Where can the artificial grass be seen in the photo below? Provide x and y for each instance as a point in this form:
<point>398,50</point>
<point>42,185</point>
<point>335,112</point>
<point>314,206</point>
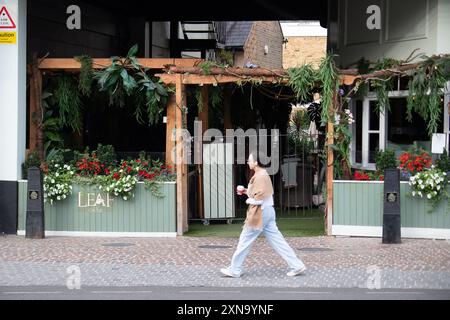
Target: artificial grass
<point>309,225</point>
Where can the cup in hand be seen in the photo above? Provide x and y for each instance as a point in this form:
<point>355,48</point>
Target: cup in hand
<point>240,190</point>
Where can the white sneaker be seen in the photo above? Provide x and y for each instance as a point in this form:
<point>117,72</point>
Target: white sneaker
<point>296,272</point>
<point>228,273</point>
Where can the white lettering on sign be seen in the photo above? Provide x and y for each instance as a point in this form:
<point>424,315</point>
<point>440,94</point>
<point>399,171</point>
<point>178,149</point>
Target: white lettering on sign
<point>5,19</point>
<point>74,20</point>
<point>374,20</point>
<point>93,200</point>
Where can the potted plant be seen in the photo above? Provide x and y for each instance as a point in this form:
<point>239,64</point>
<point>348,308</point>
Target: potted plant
<point>384,159</point>
<point>413,161</point>
<point>443,163</point>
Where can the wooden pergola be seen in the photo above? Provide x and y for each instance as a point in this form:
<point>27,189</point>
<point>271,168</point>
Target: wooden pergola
<point>182,72</point>
<point>180,76</point>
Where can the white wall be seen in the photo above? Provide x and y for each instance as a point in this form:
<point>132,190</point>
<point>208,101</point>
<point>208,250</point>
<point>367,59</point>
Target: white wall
<point>405,26</point>
<point>303,29</point>
<point>13,95</point>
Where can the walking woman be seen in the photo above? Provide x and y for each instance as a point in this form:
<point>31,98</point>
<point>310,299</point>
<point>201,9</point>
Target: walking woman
<point>261,218</point>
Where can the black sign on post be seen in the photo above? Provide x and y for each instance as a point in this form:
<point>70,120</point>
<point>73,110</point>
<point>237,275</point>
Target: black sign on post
<point>35,224</point>
<point>391,204</point>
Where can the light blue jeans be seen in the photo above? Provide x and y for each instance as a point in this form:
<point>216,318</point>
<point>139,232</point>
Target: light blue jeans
<point>273,236</point>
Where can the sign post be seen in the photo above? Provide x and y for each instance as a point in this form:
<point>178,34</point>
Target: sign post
<point>35,222</point>
<point>391,213</point>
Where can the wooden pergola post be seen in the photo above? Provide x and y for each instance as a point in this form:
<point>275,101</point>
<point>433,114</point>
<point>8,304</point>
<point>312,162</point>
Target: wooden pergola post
<point>203,117</point>
<point>170,126</point>
<point>181,165</point>
<point>37,111</point>
<point>33,112</point>
<point>330,166</point>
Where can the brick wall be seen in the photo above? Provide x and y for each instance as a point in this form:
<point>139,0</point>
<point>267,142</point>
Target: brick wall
<point>301,50</point>
<point>264,33</point>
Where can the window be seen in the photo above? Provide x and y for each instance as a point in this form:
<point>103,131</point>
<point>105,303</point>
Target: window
<point>366,132</point>
<point>390,129</point>
<point>401,133</point>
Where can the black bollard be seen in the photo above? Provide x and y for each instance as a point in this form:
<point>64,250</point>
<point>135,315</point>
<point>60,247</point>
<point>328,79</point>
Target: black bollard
<point>391,214</point>
<point>35,224</point>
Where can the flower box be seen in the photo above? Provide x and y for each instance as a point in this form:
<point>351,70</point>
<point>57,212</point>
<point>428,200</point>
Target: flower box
<point>90,212</point>
<point>358,211</point>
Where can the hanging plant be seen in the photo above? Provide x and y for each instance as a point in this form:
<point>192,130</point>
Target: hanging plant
<point>426,86</point>
<point>116,80</point>
<point>302,80</point>
<point>153,97</point>
<point>86,74</point>
<point>328,76</point>
<point>68,101</point>
<point>215,98</point>
<point>384,84</point>
<point>124,78</point>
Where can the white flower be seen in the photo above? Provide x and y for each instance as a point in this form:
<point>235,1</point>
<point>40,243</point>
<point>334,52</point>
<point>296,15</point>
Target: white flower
<point>53,181</point>
<point>429,196</point>
<point>56,165</point>
<point>64,196</point>
<point>58,197</point>
<point>125,198</point>
<point>413,193</point>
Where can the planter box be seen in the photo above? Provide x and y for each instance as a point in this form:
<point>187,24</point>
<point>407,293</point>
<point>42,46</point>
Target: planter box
<point>89,212</point>
<point>358,211</point>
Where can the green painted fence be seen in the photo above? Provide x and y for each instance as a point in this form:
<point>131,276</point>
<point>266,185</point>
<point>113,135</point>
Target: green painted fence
<point>89,210</point>
<point>361,204</point>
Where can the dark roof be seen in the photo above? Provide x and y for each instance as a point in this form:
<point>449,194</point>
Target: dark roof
<point>237,33</point>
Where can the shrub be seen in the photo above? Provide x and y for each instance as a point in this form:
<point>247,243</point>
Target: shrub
<point>443,163</point>
<point>105,154</point>
<point>385,160</point>
<point>31,161</point>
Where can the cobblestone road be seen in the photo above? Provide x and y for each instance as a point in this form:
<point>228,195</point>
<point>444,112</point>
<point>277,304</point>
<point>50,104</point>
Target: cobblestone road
<point>185,261</point>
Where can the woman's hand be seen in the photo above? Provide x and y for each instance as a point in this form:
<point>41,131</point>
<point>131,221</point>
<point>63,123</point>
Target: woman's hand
<point>240,190</point>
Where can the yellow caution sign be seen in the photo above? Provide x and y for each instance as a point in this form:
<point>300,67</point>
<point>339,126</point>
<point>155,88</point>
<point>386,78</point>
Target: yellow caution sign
<point>8,37</point>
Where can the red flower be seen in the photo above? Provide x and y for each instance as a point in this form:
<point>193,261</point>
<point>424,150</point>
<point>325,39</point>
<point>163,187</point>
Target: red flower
<point>361,176</point>
<point>116,176</point>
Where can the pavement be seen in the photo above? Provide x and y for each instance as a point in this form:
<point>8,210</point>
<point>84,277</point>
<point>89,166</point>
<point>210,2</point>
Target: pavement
<point>347,266</point>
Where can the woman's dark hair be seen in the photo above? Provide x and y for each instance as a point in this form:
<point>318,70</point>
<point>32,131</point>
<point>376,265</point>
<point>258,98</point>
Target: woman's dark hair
<point>258,156</point>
